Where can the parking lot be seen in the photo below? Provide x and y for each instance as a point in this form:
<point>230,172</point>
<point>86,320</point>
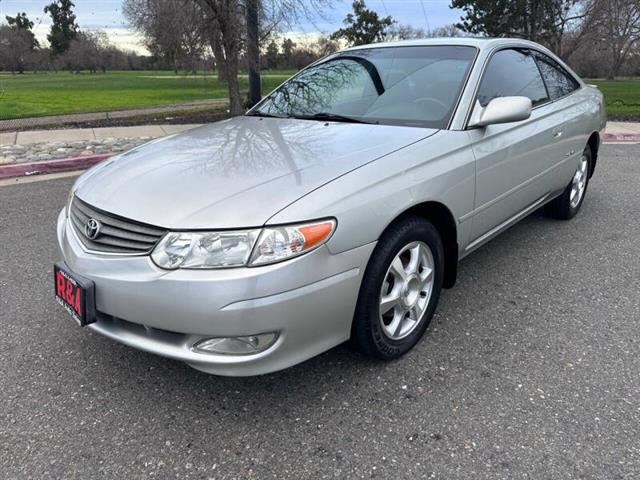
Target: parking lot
<point>530,369</point>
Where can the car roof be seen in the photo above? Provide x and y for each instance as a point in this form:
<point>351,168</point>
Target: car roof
<point>478,42</point>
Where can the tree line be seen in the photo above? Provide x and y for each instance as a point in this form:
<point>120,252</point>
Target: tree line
<point>69,47</point>
<point>598,38</point>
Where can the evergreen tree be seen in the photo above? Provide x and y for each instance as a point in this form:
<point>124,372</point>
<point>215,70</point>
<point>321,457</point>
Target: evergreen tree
<point>363,26</point>
<point>537,20</point>
<point>64,28</point>
<point>22,22</point>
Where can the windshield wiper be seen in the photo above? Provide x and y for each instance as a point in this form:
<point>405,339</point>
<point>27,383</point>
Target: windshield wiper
<point>331,117</point>
<point>264,114</point>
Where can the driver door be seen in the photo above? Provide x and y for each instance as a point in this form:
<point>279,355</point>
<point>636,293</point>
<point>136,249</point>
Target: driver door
<point>511,158</point>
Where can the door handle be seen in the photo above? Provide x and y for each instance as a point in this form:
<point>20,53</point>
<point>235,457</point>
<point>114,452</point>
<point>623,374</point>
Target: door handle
<point>558,133</point>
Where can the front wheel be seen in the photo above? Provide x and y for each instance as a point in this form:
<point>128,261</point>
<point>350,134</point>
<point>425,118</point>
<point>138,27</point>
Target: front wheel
<point>568,204</point>
<point>400,289</point>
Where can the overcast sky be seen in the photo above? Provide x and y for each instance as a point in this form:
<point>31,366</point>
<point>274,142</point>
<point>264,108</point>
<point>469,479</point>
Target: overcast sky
<point>107,15</point>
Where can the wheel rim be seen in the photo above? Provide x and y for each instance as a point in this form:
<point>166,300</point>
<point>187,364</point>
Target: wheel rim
<point>579,182</point>
<point>406,290</point>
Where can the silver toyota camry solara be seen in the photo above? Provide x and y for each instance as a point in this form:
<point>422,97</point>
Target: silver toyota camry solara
<point>336,209</point>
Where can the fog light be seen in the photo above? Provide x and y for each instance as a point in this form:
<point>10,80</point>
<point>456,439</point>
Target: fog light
<point>248,345</point>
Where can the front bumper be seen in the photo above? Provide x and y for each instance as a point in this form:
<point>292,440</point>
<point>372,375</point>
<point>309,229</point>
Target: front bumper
<point>309,301</point>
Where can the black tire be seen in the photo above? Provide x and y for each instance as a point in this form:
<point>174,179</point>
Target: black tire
<point>367,332</point>
<point>560,207</point>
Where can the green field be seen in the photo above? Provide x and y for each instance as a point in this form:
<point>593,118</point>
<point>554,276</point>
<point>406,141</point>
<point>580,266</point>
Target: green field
<point>621,96</point>
<point>31,95</point>
<point>39,94</point>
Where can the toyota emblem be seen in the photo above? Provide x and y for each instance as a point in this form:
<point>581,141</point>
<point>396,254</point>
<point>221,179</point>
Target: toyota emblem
<point>92,228</point>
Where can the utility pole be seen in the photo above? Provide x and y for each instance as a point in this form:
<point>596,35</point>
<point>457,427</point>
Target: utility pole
<point>253,51</point>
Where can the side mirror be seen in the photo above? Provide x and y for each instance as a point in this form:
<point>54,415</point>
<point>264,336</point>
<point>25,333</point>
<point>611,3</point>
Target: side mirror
<point>501,110</point>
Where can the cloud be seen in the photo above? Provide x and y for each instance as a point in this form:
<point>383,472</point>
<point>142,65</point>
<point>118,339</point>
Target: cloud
<point>122,37</point>
<point>126,39</point>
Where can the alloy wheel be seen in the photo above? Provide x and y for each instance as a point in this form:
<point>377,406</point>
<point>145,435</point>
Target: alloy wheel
<point>406,290</point>
<point>579,182</point>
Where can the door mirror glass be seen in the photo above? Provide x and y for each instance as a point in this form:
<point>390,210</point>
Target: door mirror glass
<point>501,110</point>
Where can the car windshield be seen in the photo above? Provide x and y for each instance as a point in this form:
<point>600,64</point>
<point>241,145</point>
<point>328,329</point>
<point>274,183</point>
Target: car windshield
<point>413,86</point>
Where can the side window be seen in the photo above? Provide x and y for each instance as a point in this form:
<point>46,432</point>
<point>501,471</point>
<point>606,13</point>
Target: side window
<point>512,73</point>
<point>559,82</point>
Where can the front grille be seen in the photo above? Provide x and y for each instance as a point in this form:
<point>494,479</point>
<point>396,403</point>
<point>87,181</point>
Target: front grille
<point>116,234</point>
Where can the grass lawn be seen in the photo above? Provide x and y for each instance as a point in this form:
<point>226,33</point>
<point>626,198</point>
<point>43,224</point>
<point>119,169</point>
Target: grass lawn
<point>621,96</point>
<point>39,94</point>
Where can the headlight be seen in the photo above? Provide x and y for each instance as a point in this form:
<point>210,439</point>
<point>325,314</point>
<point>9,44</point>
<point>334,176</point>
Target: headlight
<point>204,249</point>
<point>209,250</point>
<point>279,243</point>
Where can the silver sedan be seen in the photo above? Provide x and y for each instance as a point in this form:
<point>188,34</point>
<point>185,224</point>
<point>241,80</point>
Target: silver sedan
<point>336,209</point>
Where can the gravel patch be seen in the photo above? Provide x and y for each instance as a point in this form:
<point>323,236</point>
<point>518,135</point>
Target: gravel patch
<point>10,154</point>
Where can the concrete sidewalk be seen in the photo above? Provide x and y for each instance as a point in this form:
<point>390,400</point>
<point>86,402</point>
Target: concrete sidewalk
<point>86,134</point>
<point>623,127</point>
<point>615,131</point>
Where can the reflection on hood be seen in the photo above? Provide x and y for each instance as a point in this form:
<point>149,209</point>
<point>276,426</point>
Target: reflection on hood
<point>235,173</point>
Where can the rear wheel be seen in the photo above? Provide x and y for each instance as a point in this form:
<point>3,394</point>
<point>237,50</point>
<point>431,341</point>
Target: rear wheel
<point>400,289</point>
<point>568,204</point>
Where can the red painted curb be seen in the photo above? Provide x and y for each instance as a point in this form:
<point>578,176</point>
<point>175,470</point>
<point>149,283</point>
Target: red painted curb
<point>51,166</point>
<point>621,137</point>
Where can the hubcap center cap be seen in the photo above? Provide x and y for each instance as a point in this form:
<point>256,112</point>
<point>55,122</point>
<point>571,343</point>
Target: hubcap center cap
<point>410,291</point>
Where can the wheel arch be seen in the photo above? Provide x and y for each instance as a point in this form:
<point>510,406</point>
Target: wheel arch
<point>441,217</point>
<point>594,145</point>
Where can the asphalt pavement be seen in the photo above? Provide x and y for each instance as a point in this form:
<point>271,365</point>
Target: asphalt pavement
<point>530,370</point>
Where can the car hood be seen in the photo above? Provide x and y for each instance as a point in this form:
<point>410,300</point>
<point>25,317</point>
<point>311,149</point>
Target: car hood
<point>235,173</point>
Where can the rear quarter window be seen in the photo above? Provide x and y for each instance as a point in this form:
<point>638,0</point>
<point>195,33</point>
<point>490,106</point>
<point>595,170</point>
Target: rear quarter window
<point>559,81</point>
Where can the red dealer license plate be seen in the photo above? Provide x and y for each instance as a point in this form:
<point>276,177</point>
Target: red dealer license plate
<point>75,294</point>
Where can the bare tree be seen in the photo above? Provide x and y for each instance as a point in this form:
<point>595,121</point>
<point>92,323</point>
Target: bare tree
<point>85,52</point>
<point>449,31</point>
<point>262,19</point>
<point>243,24</point>
<point>177,29</point>
<point>172,29</point>
<point>325,45</point>
<point>16,49</point>
<point>225,20</point>
<point>617,23</point>
<point>402,31</point>
<point>278,14</point>
<point>252,8</point>
<point>573,25</point>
